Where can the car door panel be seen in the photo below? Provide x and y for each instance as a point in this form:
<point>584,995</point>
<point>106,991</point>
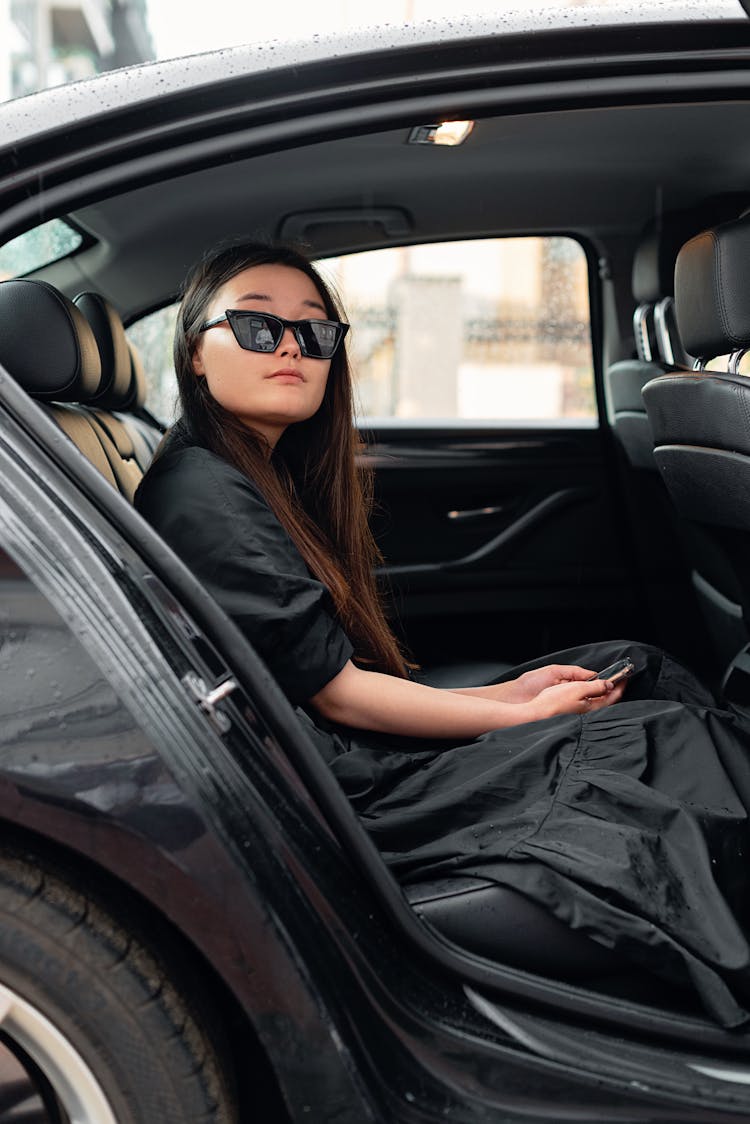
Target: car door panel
<point>500,545</point>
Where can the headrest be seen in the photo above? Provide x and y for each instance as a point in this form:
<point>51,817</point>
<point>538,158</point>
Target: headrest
<point>113,350</point>
<point>712,290</point>
<point>653,264</point>
<point>46,344</point>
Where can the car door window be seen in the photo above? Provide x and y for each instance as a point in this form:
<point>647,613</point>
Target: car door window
<point>492,329</point>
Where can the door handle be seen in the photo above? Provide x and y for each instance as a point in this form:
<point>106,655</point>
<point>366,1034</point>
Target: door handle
<point>471,514</point>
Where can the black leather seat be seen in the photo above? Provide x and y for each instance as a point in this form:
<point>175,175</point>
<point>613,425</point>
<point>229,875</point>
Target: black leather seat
<point>503,925</point>
<point>701,423</point>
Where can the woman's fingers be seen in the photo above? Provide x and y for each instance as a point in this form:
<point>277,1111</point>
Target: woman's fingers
<point>613,695</point>
<point>589,695</point>
<point>576,697</point>
<point>592,688</point>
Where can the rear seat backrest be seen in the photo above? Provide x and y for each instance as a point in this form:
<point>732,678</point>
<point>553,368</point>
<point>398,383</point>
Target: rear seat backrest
<point>114,354</point>
<point>115,390</point>
<point>123,392</point>
<point>48,346</point>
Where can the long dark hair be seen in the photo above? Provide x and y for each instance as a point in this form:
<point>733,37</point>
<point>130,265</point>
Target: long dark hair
<point>311,480</point>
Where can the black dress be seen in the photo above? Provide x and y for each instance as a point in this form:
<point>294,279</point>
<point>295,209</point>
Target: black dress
<point>628,824</point>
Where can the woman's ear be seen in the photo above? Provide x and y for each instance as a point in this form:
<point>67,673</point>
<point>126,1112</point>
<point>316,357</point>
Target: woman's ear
<point>197,361</point>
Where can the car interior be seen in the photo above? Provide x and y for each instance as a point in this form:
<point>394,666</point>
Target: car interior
<point>620,190</point>
<point>630,522</point>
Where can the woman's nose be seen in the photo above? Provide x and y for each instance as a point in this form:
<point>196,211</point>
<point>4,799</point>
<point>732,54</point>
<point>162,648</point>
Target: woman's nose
<point>289,344</point>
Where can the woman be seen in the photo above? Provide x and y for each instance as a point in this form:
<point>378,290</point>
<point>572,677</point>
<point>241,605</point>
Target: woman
<point>626,821</point>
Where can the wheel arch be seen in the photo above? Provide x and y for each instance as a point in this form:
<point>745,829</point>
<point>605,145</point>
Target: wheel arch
<point>250,1064</point>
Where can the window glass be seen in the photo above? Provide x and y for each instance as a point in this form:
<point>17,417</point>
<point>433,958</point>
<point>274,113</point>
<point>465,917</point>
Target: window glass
<point>496,330</point>
<point>153,336</point>
<point>37,247</point>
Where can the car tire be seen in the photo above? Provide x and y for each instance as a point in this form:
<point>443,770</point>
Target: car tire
<point>112,1037</point>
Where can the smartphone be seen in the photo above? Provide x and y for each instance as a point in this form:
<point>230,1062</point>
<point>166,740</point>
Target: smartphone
<point>616,671</point>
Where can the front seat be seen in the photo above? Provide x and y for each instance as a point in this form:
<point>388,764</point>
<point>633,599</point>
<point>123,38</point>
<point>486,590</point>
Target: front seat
<point>701,424</point>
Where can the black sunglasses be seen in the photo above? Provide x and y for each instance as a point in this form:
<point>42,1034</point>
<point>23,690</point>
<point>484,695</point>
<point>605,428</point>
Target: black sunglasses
<point>259,331</point>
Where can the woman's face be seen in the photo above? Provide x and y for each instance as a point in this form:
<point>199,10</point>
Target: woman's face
<point>266,390</point>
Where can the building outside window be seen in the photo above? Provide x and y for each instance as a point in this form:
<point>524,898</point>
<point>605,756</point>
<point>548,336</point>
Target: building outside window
<point>49,42</point>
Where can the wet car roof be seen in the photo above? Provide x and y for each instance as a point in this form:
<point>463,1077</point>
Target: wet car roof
<point>73,103</point>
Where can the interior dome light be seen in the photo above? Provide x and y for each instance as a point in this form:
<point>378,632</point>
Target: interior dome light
<point>446,132</point>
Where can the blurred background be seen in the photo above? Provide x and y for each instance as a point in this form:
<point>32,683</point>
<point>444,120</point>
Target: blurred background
<point>49,42</point>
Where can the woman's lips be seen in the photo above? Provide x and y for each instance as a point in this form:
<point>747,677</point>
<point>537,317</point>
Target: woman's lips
<point>288,373</point>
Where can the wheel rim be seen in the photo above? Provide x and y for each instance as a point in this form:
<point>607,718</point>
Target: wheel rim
<point>62,1067</point>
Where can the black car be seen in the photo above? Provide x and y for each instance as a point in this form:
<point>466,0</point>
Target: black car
<point>193,924</point>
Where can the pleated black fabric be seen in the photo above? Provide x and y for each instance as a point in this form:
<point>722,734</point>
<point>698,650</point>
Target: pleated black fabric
<point>628,824</point>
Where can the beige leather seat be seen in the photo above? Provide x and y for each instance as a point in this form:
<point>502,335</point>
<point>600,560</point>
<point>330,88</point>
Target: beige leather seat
<point>48,346</point>
<point>119,402</point>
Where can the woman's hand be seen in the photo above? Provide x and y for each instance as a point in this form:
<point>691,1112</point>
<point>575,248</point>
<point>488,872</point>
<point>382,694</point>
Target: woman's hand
<point>531,683</point>
<point>579,696</point>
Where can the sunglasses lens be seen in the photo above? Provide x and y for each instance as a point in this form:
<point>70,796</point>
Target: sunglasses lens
<point>257,333</point>
<point>319,338</point>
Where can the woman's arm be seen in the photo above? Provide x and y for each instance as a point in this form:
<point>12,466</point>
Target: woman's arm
<point>527,686</point>
<point>368,700</point>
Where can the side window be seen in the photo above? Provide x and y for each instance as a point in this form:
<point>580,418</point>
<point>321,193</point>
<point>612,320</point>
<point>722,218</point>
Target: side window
<point>153,336</point>
<point>496,330</point>
<point>44,244</point>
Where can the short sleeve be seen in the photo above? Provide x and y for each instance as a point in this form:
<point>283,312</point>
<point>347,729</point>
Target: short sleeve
<point>216,520</point>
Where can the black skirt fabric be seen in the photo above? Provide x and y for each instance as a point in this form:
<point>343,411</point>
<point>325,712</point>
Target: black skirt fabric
<point>628,824</point>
